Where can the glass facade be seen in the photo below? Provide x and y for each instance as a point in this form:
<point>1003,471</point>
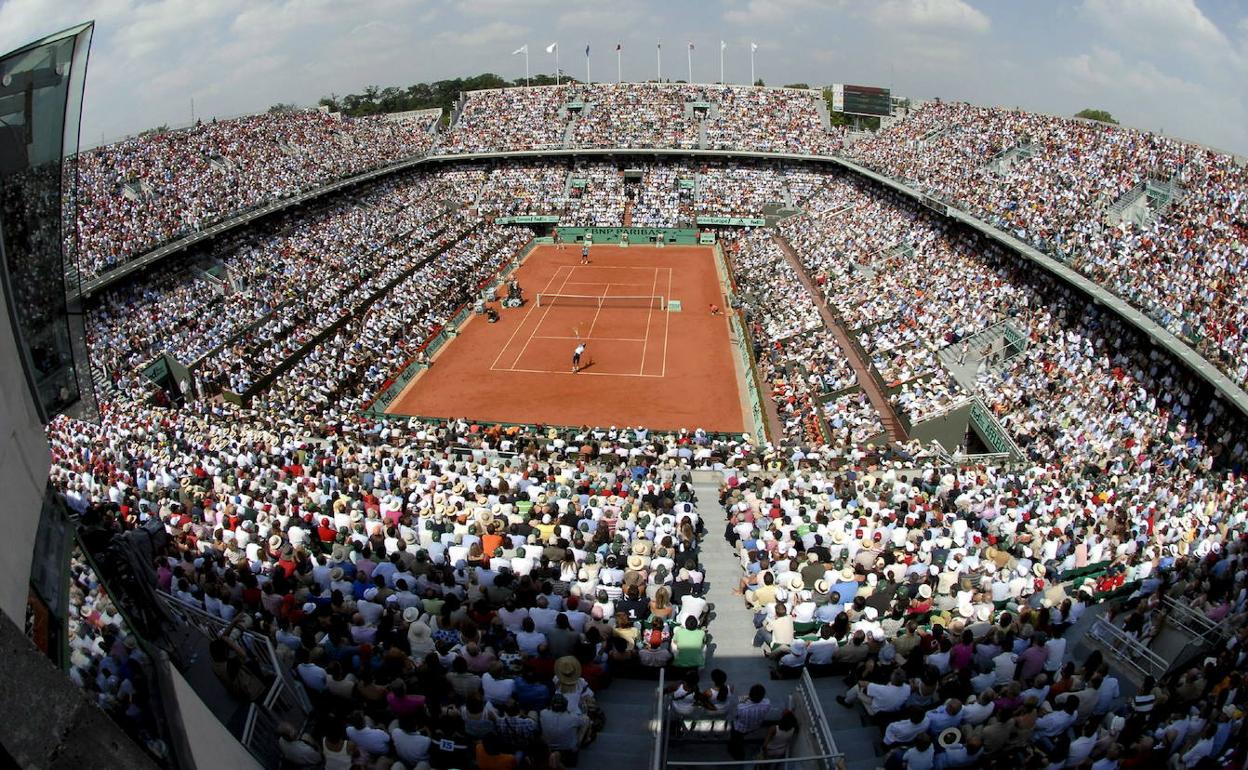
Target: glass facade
<point>40,107</point>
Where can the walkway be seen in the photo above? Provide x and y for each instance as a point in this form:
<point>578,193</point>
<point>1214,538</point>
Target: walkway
<point>733,649</point>
<point>868,380</point>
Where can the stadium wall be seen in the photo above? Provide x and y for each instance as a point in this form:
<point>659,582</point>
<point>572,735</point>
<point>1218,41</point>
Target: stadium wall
<point>24,461</point>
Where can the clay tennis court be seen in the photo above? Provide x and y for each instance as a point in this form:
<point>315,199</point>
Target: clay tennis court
<point>643,364</point>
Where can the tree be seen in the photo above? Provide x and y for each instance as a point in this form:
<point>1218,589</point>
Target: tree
<point>802,86</point>
<point>759,82</point>
<point>283,107</point>
<point>1097,115</point>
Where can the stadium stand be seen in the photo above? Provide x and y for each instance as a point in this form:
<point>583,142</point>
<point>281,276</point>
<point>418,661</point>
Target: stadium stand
<point>450,592</point>
<point>156,187</point>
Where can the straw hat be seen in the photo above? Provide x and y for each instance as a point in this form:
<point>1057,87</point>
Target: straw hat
<point>847,573</point>
<point>795,583</point>
<point>636,562</point>
<point>821,586</point>
<point>336,574</point>
<point>567,671</point>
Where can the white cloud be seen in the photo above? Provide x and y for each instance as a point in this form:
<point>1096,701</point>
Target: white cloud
<point>496,33</point>
<point>932,15</point>
<point>776,12</point>
<point>1166,29</point>
<point>150,58</point>
<point>1131,88</point>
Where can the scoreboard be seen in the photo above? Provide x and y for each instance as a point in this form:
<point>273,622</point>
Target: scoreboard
<point>861,100</point>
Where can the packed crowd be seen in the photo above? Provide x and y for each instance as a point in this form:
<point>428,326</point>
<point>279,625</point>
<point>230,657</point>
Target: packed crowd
<point>234,335</point>
<point>596,197</point>
<point>946,609</point>
<point>137,194</point>
<point>1061,185</point>
<point>105,659</point>
<point>643,115</point>
<point>438,609</point>
<point>343,373</point>
<point>664,197</point>
<point>774,120</point>
<point>346,533</point>
<point>523,189</point>
<point>906,286</point>
<point>509,119</point>
<point>805,371</point>
<point>636,115</point>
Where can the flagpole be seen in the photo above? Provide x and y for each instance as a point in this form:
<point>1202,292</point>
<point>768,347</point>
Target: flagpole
<point>658,57</point>
<point>587,79</point>
<point>618,71</point>
<point>556,64</point>
<point>527,81</point>
<point>689,51</point>
<point>752,79</point>
<point>721,62</point>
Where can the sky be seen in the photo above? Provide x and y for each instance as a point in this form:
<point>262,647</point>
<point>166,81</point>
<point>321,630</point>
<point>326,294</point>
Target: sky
<point>1178,66</point>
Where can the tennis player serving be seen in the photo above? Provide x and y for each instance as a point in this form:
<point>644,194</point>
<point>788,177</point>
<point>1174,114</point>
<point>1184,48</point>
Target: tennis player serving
<point>576,357</point>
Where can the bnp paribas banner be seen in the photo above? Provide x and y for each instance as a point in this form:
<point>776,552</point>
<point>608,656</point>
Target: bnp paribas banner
<point>732,221</point>
<point>676,235</point>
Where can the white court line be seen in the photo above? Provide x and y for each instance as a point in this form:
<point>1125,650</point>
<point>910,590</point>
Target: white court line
<point>540,321</point>
<point>613,267</point>
<point>581,373</point>
<point>525,320</point>
<point>667,321</point>
<point>593,339</point>
<point>600,283</point>
<point>654,285</point>
<point>594,322</point>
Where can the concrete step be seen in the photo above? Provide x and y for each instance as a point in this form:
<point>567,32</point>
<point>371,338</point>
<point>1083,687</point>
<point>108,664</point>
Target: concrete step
<point>860,743</point>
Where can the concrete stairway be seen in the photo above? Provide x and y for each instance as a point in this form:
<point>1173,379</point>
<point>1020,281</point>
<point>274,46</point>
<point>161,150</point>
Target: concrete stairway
<point>965,373</point>
<point>569,133</point>
<point>734,651</point>
<point>626,740</point>
<point>103,385</point>
<point>629,704</point>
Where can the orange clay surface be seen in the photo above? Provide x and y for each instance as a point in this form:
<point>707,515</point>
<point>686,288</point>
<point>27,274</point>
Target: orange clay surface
<point>641,366</point>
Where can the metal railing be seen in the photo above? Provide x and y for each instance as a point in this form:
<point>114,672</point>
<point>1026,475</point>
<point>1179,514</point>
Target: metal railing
<point>284,701</point>
<point>1127,649</point>
<point>809,712</point>
<point>997,437</point>
<point>1194,623</point>
<point>658,747</point>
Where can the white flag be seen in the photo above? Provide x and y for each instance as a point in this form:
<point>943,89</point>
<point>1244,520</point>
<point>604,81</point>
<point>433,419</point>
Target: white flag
<point>723,46</point>
<point>551,48</point>
<point>753,47</point>
<point>522,49</point>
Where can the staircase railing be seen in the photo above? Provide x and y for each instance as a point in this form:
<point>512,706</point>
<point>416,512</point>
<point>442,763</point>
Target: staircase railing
<point>1194,623</point>
<point>1128,650</point>
<point>658,748</point>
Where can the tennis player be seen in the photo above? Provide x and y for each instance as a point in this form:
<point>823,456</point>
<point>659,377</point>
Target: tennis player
<point>585,253</point>
<point>576,357</point>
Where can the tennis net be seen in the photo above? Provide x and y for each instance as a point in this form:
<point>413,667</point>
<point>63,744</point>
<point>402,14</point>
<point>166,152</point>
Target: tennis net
<point>653,302</point>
